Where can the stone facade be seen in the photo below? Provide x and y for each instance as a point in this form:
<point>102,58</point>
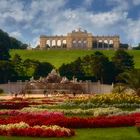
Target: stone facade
<point>79,39</point>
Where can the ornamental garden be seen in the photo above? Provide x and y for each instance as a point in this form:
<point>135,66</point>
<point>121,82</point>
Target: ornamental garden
<point>67,115</point>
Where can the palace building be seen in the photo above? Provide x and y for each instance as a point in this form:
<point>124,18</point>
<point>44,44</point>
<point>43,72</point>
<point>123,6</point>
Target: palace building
<point>79,39</point>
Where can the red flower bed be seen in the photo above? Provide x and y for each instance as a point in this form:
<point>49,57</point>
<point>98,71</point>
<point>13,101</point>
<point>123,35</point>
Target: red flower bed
<point>43,113</point>
<point>37,132</point>
<point>74,122</point>
<point>13,105</point>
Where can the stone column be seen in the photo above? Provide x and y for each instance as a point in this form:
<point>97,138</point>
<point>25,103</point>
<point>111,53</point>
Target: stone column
<point>102,44</point>
<point>82,43</point>
<point>108,44</point>
<point>89,42</point>
<point>50,43</point>
<point>61,43</point>
<point>43,41</point>
<point>97,44</point>
<point>69,42</point>
<point>116,43</point>
<point>77,43</point>
<point>56,43</point>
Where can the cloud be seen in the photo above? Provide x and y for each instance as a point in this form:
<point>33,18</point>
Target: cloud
<point>119,5</point>
<point>132,31</point>
<point>136,2</point>
<point>51,17</point>
<point>16,34</point>
<point>88,3</point>
<point>35,42</point>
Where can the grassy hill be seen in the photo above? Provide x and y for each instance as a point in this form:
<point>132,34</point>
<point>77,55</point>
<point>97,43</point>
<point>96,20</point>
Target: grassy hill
<point>58,57</point>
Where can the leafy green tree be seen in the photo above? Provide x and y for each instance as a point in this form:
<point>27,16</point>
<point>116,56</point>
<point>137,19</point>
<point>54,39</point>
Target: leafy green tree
<point>7,71</point>
<point>42,69</point>
<point>16,44</point>
<point>137,47</point>
<point>73,69</point>
<point>122,61</point>
<point>30,66</point>
<point>99,65</point>
<point>18,65</point>
<point>5,44</point>
<point>131,80</point>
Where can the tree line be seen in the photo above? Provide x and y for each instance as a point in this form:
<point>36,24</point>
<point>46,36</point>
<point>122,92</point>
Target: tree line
<point>17,69</point>
<point>91,67</point>
<point>99,67</point>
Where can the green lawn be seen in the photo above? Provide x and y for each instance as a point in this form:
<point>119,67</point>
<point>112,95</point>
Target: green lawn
<point>126,133</point>
<point>58,57</point>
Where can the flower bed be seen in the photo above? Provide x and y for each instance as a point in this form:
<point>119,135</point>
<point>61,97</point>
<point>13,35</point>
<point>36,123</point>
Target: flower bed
<point>94,112</point>
<point>13,105</point>
<point>108,99</point>
<point>37,116</point>
<point>43,113</point>
<point>74,122</point>
<point>23,129</point>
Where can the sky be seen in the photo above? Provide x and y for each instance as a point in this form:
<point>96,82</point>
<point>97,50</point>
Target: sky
<point>28,19</point>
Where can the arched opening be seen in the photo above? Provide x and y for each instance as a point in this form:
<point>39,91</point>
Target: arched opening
<point>95,44</point>
<point>111,43</point>
<point>74,43</point>
<point>59,43</point>
<point>53,43</point>
<point>64,44</point>
<point>105,44</point>
<point>84,43</point>
<point>48,44</point>
<point>79,44</point>
<point>100,42</point>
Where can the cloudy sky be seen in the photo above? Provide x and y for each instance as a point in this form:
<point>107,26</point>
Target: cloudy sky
<point>28,19</point>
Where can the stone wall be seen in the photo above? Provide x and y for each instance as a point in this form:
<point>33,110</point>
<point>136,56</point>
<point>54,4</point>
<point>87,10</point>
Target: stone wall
<point>88,87</point>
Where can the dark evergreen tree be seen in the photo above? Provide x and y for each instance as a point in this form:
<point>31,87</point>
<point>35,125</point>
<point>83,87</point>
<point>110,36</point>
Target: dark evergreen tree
<point>73,69</point>
<point>7,71</point>
<point>5,44</point>
<point>122,61</point>
<point>99,66</point>
<point>16,44</point>
<point>42,69</point>
<point>18,65</point>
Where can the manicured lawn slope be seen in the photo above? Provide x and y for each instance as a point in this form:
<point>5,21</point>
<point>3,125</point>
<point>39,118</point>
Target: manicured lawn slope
<point>129,133</point>
<point>58,57</point>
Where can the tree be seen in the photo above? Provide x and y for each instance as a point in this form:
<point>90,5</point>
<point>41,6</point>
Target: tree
<point>137,47</point>
<point>30,66</point>
<point>99,65</point>
<point>132,80</point>
<point>5,44</point>
<point>7,71</point>
<point>73,69</point>
<point>42,69</point>
<point>122,61</point>
<point>124,46</point>
<point>18,65</point>
<point>16,44</point>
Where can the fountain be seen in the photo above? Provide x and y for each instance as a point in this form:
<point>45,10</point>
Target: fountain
<point>53,83</point>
